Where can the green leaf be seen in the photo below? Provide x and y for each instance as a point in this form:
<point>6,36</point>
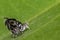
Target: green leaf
<point>43,17</point>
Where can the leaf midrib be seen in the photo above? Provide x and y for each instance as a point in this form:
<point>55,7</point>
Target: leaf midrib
<point>45,10</point>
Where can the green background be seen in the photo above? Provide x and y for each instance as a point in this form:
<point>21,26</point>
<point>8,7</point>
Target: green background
<point>43,17</point>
